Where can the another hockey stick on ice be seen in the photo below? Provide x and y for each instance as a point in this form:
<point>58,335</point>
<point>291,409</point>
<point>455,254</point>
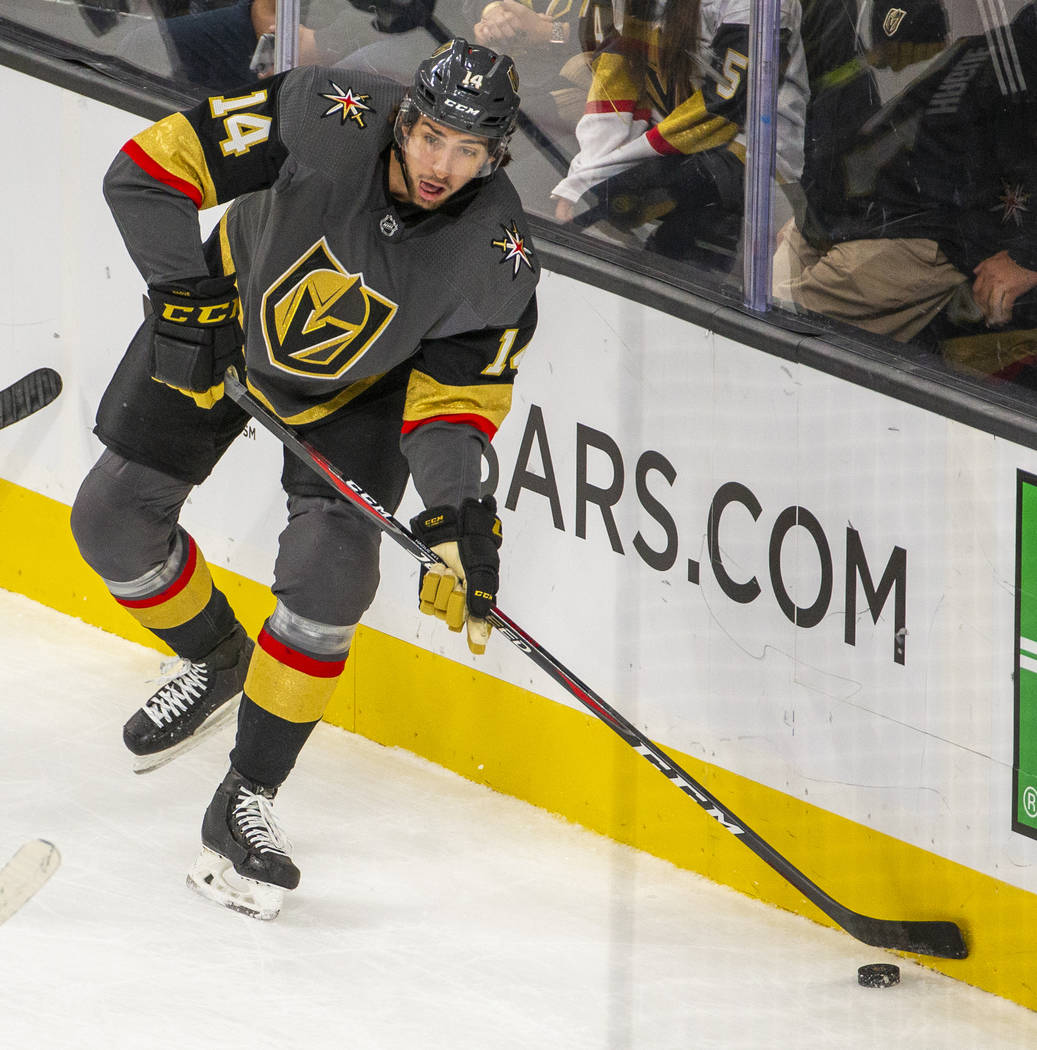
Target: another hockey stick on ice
<point>25,873</point>
<point>29,394</point>
<point>937,938</point>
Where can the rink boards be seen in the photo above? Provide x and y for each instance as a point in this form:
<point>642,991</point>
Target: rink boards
<point>817,597</point>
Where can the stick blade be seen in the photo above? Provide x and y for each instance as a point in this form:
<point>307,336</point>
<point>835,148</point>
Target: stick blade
<point>25,873</point>
<point>29,394</point>
<point>940,939</point>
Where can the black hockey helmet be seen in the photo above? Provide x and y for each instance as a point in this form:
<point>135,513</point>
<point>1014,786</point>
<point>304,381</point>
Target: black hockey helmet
<point>468,88</point>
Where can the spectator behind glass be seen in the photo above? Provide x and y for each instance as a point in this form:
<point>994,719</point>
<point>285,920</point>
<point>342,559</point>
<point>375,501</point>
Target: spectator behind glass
<point>553,42</point>
<point>212,49</point>
<point>662,137</point>
<point>935,193</point>
<point>844,92</point>
<point>905,34</point>
<point>547,39</point>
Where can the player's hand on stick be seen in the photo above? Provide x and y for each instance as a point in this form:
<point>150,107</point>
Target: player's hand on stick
<point>463,588</point>
<point>196,335</point>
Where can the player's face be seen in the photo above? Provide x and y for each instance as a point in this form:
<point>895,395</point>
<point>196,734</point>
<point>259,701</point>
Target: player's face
<point>440,161</point>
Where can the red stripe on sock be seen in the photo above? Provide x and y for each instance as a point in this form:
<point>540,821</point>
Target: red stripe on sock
<point>299,661</point>
<point>173,589</point>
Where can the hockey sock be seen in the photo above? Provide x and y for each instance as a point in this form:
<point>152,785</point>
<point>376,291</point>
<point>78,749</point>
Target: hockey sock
<point>293,673</point>
<point>179,602</point>
<point>267,746</point>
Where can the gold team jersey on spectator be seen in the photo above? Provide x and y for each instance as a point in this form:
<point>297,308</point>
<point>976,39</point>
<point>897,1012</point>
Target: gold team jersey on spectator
<point>622,126</point>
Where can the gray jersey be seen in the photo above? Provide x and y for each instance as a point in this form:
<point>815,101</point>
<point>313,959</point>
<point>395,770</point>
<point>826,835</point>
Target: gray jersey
<point>338,283</point>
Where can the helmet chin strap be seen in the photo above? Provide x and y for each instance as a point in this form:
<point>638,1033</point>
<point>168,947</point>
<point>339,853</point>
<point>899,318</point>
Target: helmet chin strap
<point>398,151</point>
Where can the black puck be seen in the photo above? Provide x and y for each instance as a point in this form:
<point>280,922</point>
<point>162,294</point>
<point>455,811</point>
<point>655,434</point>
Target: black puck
<point>878,975</point>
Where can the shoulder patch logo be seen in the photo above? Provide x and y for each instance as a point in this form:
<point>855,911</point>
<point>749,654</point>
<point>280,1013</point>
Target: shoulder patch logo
<point>514,248</point>
<point>319,319</point>
<point>349,104</point>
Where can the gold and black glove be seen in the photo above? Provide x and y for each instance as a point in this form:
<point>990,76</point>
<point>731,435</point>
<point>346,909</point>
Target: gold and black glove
<point>195,335</point>
<point>462,589</point>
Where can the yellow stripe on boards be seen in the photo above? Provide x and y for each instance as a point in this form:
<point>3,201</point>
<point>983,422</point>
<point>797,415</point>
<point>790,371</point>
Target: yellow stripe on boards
<point>566,761</point>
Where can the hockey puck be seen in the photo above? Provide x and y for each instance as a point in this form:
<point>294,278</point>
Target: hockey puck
<point>878,975</point>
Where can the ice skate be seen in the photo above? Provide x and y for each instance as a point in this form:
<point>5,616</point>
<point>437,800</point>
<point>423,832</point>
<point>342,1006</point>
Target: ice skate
<point>199,697</point>
<point>244,864</point>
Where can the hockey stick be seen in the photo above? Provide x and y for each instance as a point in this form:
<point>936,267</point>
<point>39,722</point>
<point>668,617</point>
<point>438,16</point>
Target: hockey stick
<point>25,873</point>
<point>937,938</point>
<point>29,394</point>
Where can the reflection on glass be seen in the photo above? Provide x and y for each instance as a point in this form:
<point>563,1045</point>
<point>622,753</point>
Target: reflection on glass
<point>661,160</point>
<point>917,219</point>
<point>906,138</point>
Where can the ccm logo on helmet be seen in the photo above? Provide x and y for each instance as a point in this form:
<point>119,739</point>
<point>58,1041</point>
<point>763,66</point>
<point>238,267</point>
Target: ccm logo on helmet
<point>469,111</point>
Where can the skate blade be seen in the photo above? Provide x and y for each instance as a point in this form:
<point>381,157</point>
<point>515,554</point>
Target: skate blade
<point>214,877</point>
<point>217,720</point>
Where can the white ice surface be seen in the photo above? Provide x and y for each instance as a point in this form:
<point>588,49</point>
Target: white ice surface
<point>433,914</point>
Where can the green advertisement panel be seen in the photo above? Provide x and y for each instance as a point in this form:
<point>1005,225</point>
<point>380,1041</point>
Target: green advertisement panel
<point>1024,802</point>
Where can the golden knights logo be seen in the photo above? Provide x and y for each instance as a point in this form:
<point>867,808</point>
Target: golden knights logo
<point>892,19</point>
<point>319,319</point>
<point>515,249</point>
<point>350,105</point>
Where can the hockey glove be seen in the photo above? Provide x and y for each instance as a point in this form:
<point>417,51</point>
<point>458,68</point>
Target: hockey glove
<point>463,588</point>
<point>196,335</point>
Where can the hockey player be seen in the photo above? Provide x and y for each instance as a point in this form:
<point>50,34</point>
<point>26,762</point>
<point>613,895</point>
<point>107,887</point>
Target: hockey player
<point>386,286</point>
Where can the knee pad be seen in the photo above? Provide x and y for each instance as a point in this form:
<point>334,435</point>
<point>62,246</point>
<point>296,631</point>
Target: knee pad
<point>327,561</point>
<point>124,518</point>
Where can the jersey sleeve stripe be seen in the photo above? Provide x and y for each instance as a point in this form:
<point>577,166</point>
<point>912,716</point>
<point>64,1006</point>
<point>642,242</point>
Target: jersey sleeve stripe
<point>659,144</point>
<point>156,171</point>
<point>480,423</point>
<point>483,406</point>
<point>619,105</point>
<point>171,152</point>
<point>691,129</point>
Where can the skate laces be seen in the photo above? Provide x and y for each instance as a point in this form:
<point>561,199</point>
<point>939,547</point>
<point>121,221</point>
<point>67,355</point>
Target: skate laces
<point>255,818</point>
<point>185,683</point>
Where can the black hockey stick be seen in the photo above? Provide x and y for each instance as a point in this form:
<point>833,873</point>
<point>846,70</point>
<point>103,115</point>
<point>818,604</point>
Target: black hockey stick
<point>29,394</point>
<point>939,938</point>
